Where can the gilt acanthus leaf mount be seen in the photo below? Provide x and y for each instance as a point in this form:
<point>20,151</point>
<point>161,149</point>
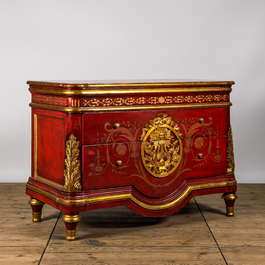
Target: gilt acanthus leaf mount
<point>72,172</point>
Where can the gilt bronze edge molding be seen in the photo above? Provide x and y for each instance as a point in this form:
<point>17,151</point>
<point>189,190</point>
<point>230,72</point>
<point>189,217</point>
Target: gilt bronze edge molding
<point>128,84</point>
<point>150,90</point>
<point>100,109</point>
<point>134,199</point>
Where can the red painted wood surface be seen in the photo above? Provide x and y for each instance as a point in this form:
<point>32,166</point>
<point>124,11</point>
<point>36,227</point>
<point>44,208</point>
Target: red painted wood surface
<point>98,128</point>
<point>76,208</point>
<point>51,148</point>
<point>52,130</point>
<point>100,169</point>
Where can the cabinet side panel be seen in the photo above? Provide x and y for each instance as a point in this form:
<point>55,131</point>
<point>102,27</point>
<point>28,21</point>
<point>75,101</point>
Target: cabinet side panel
<point>49,147</point>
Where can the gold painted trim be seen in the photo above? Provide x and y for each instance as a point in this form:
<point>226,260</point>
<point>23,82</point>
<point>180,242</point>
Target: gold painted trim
<point>71,218</point>
<point>49,182</point>
<point>75,103</point>
<point>130,84</point>
<point>128,91</point>
<point>35,145</point>
<point>70,235</point>
<point>154,100</point>
<point>230,152</point>
<point>36,216</point>
<point>230,211</point>
<point>52,100</point>
<point>230,197</point>
<point>89,109</point>
<point>131,197</point>
<point>35,202</point>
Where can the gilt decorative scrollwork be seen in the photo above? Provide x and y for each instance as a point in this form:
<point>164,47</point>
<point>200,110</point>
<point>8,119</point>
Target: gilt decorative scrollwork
<point>72,173</point>
<point>161,150</point>
<point>230,152</point>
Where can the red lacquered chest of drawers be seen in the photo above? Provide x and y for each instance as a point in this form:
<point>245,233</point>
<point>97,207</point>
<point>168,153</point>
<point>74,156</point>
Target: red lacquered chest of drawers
<point>148,145</point>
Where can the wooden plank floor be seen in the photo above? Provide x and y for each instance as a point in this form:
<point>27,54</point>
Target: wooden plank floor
<point>200,233</point>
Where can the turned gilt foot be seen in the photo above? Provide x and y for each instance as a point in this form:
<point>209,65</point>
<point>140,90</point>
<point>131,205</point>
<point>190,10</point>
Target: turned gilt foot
<point>230,199</point>
<point>36,207</point>
<point>71,222</point>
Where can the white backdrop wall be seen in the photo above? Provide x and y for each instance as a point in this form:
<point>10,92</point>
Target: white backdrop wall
<point>139,39</point>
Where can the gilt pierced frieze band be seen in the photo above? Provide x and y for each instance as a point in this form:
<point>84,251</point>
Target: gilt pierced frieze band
<point>70,104</point>
<point>43,99</point>
<point>154,100</point>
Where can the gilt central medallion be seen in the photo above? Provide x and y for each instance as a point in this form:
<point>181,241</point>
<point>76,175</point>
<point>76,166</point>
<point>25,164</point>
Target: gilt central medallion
<point>161,150</point>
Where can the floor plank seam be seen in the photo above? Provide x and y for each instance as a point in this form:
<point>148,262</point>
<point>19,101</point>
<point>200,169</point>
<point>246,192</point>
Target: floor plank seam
<point>118,246</point>
<point>49,238</point>
<point>243,247</point>
<point>211,232</point>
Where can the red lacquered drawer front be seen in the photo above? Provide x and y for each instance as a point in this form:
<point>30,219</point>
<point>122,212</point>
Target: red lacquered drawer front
<point>99,128</point>
<point>100,168</point>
